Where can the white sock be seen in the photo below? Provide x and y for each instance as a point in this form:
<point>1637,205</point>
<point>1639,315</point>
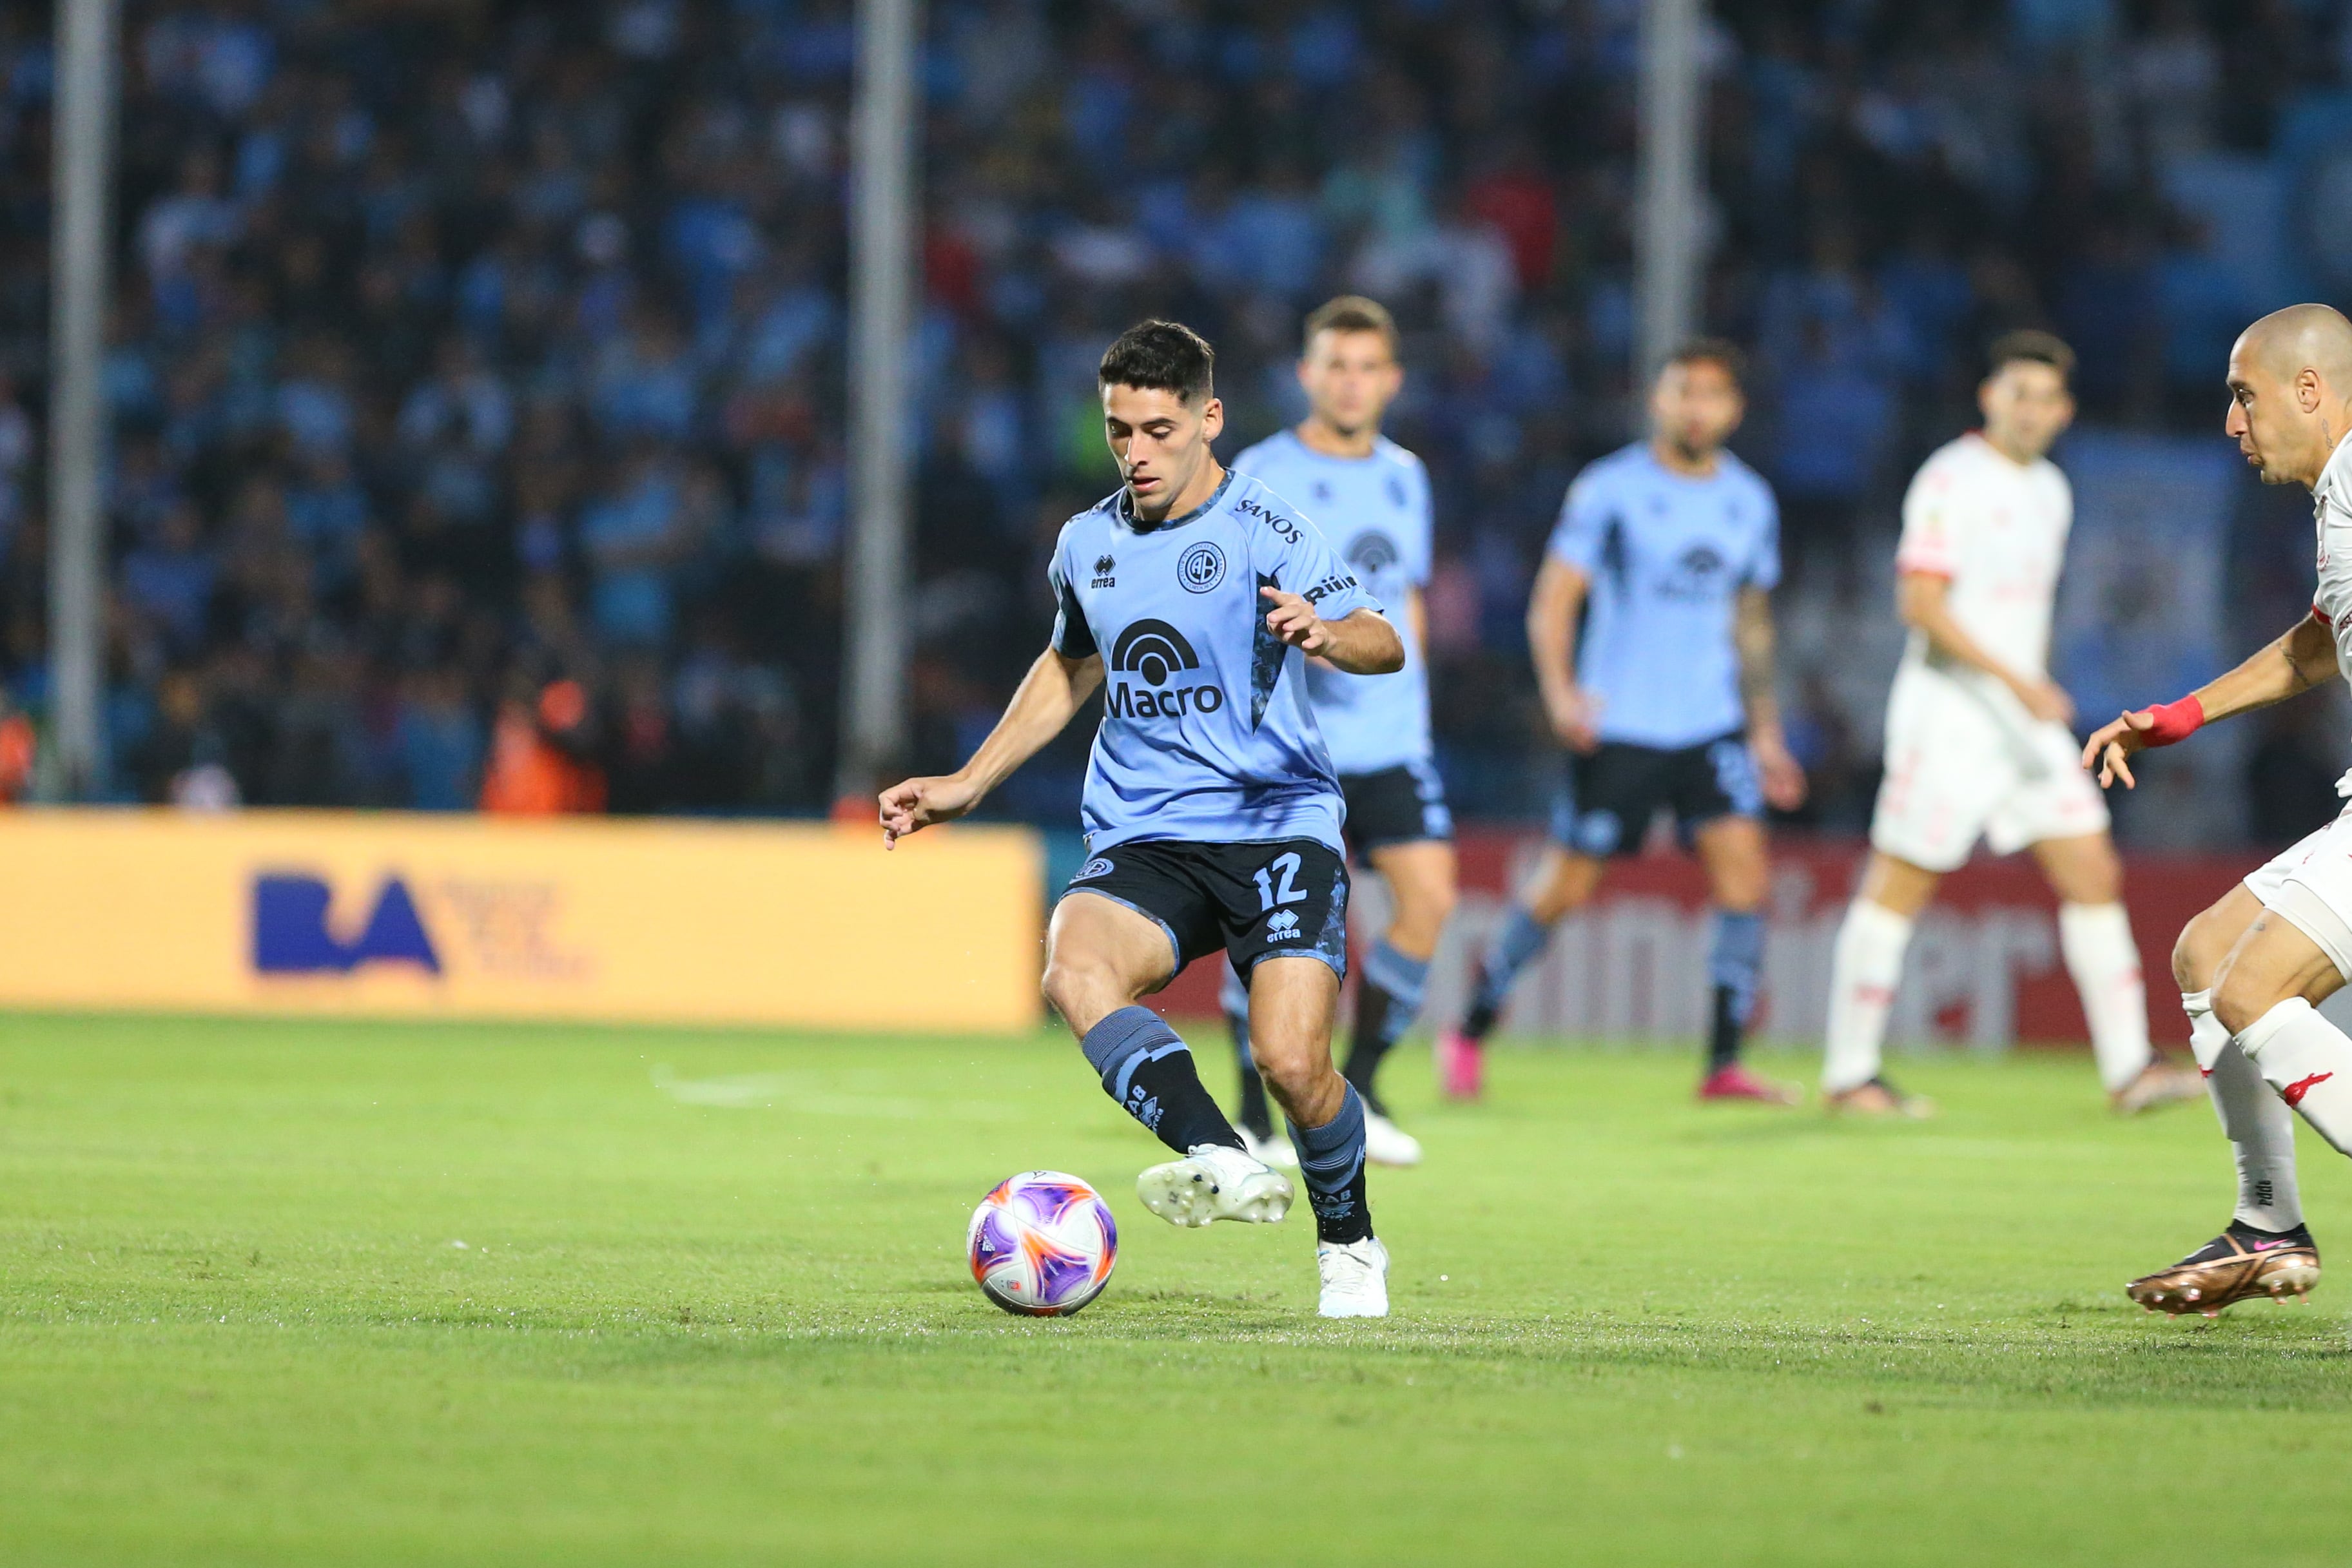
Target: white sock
<point>1866,963</point>
<point>2309,1062</point>
<point>2260,1127</point>
<point>2100,955</point>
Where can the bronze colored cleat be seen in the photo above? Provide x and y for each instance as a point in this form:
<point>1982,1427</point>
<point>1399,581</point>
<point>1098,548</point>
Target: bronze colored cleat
<point>1878,1098</point>
<point>2159,1083</point>
<point>2228,1269</point>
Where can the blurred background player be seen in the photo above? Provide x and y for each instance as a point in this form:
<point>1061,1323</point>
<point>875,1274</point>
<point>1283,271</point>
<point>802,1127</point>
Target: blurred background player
<point>1371,499</point>
<point>1664,696</point>
<point>1977,743</point>
<point>1211,813</point>
<point>2252,967</point>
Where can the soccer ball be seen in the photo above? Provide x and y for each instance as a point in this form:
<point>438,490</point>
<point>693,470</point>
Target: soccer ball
<point>1042,1244</point>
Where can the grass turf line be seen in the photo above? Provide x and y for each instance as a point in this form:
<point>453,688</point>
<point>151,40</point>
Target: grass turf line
<point>711,1307</point>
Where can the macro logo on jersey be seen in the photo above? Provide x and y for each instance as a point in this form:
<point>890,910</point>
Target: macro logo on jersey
<point>1373,552</point>
<point>290,935</point>
<point>1158,655</point>
<point>1697,574</point>
<point>1200,568</point>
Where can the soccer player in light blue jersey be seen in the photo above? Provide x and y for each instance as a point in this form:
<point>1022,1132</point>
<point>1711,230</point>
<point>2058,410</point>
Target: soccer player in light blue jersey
<point>1194,597</point>
<point>1667,552</point>
<point>1371,499</point>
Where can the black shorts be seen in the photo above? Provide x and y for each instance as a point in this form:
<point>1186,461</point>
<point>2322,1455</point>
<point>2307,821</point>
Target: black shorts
<point>1254,901</point>
<point>1610,796</point>
<point>1404,805</point>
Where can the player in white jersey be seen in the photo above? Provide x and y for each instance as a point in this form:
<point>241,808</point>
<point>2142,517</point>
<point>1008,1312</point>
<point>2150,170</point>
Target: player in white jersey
<point>1371,499</point>
<point>1978,744</point>
<point>2250,966</point>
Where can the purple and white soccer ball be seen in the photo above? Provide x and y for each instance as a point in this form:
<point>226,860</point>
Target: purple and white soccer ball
<point>1042,1244</point>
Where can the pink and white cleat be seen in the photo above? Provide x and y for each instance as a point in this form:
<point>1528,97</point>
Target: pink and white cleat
<point>1735,1082</point>
<point>1460,1066</point>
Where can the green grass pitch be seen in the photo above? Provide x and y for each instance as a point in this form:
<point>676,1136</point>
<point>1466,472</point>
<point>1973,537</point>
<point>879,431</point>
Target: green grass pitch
<point>710,1307</point>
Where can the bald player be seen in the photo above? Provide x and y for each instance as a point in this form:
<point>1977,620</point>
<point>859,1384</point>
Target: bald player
<point>2251,965</point>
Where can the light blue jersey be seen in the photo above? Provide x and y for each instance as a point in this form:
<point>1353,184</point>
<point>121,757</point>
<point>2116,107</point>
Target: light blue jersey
<point>1375,512</point>
<point>1207,735</point>
<point>1668,556</point>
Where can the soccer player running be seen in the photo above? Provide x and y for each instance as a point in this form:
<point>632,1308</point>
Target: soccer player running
<point>1194,597</point>
<point>1977,743</point>
<point>1667,551</point>
<point>1371,499</point>
<point>2250,966</point>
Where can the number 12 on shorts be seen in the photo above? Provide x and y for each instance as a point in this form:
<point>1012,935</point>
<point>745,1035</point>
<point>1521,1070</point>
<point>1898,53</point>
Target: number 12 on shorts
<point>1287,891</point>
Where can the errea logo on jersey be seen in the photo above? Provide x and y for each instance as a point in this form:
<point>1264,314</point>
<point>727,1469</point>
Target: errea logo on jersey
<point>1156,654</point>
<point>1103,578</point>
<point>1282,926</point>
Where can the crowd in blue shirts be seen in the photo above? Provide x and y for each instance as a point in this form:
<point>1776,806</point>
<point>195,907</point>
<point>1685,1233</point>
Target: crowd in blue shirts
<point>459,347</point>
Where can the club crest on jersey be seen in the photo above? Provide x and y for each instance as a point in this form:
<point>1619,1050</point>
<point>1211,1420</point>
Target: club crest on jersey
<point>1372,552</point>
<point>1103,578</point>
<point>1200,568</point>
<point>1098,866</point>
<point>1156,654</point>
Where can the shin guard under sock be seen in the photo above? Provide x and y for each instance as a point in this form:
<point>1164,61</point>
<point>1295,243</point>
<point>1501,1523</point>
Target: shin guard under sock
<point>1331,1159</point>
<point>1148,1069</point>
<point>2260,1127</point>
<point>1386,1004</point>
<point>1519,939</point>
<point>1734,966</point>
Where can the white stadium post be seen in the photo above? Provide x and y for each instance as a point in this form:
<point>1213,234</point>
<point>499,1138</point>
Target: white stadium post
<point>82,170</point>
<point>1669,238</point>
<point>883,280</point>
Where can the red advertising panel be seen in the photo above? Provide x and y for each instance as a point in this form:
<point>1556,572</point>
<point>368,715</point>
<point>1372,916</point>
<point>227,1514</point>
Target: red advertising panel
<point>1984,969</point>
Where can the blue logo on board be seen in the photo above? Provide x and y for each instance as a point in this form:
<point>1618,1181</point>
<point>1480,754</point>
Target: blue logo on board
<point>291,937</point>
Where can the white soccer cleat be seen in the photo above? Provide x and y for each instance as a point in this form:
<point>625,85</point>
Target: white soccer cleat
<point>1355,1279</point>
<point>1386,1144</point>
<point>1212,1182</point>
<point>1273,1151</point>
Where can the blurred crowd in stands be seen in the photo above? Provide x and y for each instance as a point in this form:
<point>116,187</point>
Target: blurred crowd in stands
<point>478,364</point>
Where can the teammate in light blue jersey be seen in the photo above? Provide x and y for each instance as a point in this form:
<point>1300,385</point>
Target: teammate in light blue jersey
<point>1668,552</point>
<point>1194,598</point>
<point>1371,499</point>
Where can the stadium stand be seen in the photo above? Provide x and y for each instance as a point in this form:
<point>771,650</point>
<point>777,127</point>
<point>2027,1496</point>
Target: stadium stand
<point>471,354</point>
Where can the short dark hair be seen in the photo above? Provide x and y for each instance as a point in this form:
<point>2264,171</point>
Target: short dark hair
<point>2033,346</point>
<point>1350,313</point>
<point>1166,356</point>
<point>1721,352</point>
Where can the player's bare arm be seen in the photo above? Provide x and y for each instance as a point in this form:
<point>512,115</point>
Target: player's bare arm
<point>1554,609</point>
<point>1924,600</point>
<point>1362,642</point>
<point>2293,664</point>
<point>1784,780</point>
<point>1049,697</point>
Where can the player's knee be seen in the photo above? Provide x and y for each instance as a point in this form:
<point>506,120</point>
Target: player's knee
<point>1079,988</point>
<point>2198,952</point>
<point>1420,920</point>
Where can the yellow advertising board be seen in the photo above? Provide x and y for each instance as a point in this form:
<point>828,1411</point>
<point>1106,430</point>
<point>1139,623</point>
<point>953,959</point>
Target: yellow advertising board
<point>396,915</point>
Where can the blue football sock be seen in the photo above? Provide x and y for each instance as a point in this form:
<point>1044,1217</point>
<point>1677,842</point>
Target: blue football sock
<point>1734,966</point>
<point>1331,1159</point>
<point>1148,1069</point>
<point>1386,1004</point>
<point>1519,939</point>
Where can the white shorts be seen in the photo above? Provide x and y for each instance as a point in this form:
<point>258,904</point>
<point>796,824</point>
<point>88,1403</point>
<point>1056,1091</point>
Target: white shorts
<point>2310,886</point>
<point>1960,767</point>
